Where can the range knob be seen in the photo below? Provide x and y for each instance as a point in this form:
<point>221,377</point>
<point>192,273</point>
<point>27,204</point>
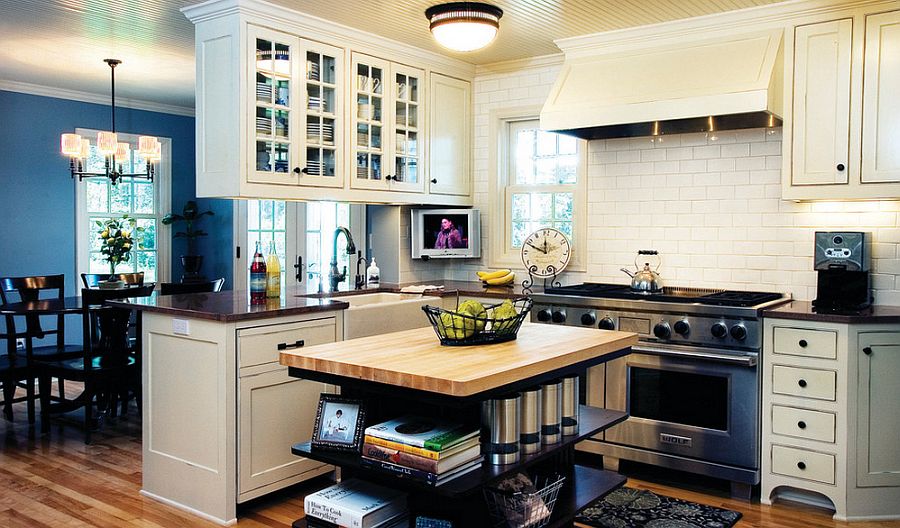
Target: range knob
<point>559,316</point>
<point>544,315</point>
<point>739,332</point>
<point>719,330</point>
<point>607,324</point>
<point>588,319</point>
<point>682,328</point>
<point>662,331</point>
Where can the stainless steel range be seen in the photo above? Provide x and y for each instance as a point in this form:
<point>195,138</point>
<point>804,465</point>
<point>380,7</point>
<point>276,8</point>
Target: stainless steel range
<point>691,386</point>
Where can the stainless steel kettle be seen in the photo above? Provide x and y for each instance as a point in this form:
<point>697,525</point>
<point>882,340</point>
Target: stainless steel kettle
<point>645,279</point>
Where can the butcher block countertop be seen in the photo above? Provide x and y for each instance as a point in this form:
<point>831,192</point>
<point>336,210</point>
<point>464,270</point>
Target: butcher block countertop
<point>415,359</point>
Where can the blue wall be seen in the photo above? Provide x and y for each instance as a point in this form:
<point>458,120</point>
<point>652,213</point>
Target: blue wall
<point>37,196</point>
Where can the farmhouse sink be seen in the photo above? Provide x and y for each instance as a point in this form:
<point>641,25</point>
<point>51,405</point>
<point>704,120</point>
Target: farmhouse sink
<point>380,313</point>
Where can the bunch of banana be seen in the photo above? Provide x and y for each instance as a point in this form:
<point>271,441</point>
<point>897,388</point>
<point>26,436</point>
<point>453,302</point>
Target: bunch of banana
<point>497,278</point>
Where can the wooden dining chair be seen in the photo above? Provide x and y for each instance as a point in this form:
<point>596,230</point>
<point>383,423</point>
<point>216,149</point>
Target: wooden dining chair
<point>12,372</point>
<point>15,289</point>
<point>105,365</point>
<point>92,280</point>
<point>174,288</point>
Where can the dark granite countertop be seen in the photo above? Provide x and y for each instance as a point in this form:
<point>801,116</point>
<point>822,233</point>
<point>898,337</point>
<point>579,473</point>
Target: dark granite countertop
<point>466,288</point>
<point>230,305</point>
<point>803,311</point>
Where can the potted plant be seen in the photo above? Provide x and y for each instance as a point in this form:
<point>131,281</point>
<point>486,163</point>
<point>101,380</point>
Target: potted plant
<point>117,241</point>
<point>192,261</point>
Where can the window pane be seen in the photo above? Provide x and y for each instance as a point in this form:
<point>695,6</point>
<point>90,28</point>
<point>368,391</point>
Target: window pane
<point>521,206</point>
<point>563,206</point>
<point>267,215</point>
<point>567,144</point>
<point>120,197</point>
<point>546,171</point>
<point>519,232</point>
<point>565,227</point>
<point>546,144</point>
<point>252,215</point>
<point>541,206</point>
<point>143,198</point>
<point>280,215</point>
<point>568,167</point>
<point>98,264</point>
<point>525,156</point>
<point>312,216</point>
<point>147,239</point>
<point>97,193</point>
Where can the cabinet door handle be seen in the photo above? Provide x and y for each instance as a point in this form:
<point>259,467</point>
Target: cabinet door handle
<point>803,343</point>
<point>298,170</point>
<point>802,382</point>
<point>867,351</point>
<point>801,424</point>
<point>840,167</point>
<point>801,465</point>
<point>285,346</point>
<point>433,180</point>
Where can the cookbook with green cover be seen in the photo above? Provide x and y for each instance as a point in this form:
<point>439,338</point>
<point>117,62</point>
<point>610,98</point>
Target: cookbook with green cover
<point>432,434</point>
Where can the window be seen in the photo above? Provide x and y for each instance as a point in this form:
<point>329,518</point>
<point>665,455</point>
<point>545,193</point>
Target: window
<point>541,184</point>
<point>321,220</point>
<point>267,222</point>
<point>99,200</point>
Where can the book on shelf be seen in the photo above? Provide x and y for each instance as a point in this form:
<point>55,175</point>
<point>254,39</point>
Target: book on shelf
<point>400,521</point>
<point>419,431</point>
<point>421,451</point>
<point>401,458</point>
<point>354,503</point>
<point>419,475</point>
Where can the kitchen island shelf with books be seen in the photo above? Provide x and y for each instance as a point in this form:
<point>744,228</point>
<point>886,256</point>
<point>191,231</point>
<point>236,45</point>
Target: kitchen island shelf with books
<point>592,420</point>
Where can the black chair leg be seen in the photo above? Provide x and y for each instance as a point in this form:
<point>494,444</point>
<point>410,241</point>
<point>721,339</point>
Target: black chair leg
<point>30,397</point>
<point>9,392</point>
<point>88,412</point>
<point>45,384</point>
<point>62,389</point>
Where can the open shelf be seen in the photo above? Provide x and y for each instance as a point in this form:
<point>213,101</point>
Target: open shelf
<point>592,420</point>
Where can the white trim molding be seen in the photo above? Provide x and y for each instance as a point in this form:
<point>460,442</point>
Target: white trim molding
<point>88,97</point>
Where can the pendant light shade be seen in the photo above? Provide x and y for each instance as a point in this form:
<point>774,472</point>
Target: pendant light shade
<point>464,26</point>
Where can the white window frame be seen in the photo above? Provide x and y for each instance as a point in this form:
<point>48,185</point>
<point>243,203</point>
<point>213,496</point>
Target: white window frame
<point>500,185</point>
<point>162,182</point>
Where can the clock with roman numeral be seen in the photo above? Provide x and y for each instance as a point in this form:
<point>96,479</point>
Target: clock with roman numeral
<point>546,252</point>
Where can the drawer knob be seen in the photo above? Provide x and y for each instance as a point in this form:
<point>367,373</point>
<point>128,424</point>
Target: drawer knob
<point>801,424</point>
<point>802,383</point>
<point>840,167</point>
<point>867,351</point>
<point>285,346</point>
<point>803,343</point>
<point>801,465</point>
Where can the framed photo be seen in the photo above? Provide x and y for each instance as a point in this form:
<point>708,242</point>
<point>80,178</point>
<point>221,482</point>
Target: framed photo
<point>340,423</point>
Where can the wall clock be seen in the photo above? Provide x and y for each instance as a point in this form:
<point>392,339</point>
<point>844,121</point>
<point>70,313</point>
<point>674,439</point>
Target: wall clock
<point>545,253</point>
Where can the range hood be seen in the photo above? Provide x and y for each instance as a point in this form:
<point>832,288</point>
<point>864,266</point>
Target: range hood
<point>692,85</point>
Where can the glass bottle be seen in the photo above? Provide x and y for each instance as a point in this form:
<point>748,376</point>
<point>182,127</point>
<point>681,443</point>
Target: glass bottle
<point>258,277</point>
<point>273,273</point>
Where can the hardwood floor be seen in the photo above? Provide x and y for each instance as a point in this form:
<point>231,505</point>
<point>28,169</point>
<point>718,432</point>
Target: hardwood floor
<point>56,480</point>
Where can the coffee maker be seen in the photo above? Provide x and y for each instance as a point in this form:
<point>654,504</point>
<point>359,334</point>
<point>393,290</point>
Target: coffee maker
<point>842,264</point>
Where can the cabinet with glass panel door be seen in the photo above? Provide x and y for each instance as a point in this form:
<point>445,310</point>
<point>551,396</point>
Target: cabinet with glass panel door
<point>387,114</point>
<point>297,110</point>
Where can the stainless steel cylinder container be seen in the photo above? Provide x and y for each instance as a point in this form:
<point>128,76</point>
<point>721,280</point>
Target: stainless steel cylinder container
<point>503,420</point>
<point>551,412</point>
<point>530,418</point>
<point>570,405</point>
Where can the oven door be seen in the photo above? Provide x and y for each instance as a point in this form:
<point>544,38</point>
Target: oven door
<point>687,401</point>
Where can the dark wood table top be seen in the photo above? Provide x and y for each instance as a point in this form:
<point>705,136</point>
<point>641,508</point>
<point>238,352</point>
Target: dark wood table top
<point>67,305</point>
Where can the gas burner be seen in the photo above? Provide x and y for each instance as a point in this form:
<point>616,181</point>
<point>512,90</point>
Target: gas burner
<point>707,296</point>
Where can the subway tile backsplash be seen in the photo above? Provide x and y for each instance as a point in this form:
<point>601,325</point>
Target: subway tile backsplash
<point>709,202</point>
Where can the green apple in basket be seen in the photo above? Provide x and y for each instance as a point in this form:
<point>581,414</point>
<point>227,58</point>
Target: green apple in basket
<point>504,317</point>
<point>455,326</point>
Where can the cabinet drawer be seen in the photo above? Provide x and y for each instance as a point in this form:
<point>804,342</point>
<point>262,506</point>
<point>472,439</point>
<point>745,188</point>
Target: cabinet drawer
<point>803,423</point>
<point>804,382</point>
<point>259,345</point>
<point>805,342</point>
<point>802,463</point>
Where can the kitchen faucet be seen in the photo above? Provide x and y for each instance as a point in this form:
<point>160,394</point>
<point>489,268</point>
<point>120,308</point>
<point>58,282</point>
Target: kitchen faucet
<point>360,277</point>
<point>334,276</point>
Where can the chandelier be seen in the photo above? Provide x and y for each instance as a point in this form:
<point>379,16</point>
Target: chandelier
<point>115,154</point>
<point>464,26</point>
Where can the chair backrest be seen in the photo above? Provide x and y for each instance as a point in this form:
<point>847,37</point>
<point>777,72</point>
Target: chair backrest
<point>92,280</point>
<point>16,289</point>
<point>112,334</point>
<point>173,288</point>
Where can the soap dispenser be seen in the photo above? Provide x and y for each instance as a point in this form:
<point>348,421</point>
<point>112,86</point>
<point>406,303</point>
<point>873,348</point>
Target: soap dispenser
<point>373,274</point>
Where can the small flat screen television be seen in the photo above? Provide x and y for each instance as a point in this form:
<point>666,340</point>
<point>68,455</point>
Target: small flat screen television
<point>445,233</point>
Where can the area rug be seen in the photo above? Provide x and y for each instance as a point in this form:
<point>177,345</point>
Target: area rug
<point>634,508</point>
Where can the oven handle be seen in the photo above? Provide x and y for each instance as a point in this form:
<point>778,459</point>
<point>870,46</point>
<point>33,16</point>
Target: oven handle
<point>744,361</point>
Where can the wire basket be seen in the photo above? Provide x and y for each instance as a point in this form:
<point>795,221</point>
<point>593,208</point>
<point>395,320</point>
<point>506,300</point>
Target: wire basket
<point>456,329</point>
<point>524,510</point>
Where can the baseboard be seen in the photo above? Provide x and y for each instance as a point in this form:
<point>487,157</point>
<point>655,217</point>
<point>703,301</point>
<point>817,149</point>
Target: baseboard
<point>188,509</point>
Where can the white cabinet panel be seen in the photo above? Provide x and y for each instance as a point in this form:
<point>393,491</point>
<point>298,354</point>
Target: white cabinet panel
<point>821,104</point>
<point>804,382</point>
<point>805,342</point>
<point>803,423</point>
<point>881,103</point>
<point>449,131</point>
<point>878,420</point>
<point>802,463</point>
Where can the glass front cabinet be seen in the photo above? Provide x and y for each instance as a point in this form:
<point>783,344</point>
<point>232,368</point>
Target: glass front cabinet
<point>387,132</point>
<point>296,99</point>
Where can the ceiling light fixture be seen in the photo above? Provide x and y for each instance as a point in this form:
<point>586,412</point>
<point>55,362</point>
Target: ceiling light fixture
<point>464,26</point>
<point>115,153</point>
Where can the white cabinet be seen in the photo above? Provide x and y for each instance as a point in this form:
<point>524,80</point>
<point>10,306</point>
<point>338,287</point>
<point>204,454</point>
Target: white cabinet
<point>387,120</point>
<point>449,126</point>
<point>841,126</point>
<point>835,435</point>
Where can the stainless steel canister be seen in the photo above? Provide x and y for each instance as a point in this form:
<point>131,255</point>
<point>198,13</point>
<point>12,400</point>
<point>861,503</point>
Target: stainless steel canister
<point>503,421</point>
<point>570,405</point>
<point>551,412</point>
<point>530,416</point>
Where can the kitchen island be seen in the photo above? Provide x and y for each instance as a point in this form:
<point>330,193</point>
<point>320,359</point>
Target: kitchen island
<point>214,391</point>
<point>409,372</point>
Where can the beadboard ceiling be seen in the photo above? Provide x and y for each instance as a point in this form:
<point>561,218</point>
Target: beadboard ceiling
<point>61,43</point>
